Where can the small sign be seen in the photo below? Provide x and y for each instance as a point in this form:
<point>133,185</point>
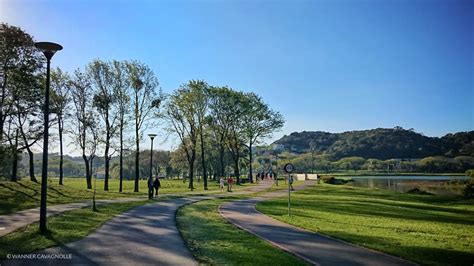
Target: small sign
<point>290,180</point>
<point>288,168</point>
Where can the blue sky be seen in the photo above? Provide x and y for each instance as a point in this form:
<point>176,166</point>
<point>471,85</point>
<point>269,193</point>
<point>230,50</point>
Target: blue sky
<point>325,65</point>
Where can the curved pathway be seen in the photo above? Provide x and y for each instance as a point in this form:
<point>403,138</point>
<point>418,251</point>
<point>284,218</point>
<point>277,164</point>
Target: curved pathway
<point>17,220</point>
<point>312,247</point>
<point>144,235</point>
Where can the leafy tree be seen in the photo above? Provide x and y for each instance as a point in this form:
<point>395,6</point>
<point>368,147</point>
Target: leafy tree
<point>236,136</point>
<point>259,121</point>
<point>145,100</point>
<point>105,101</point>
<point>18,57</point>
<point>20,63</point>
<point>84,128</point>
<point>183,118</point>
<point>120,85</point>
<point>201,99</point>
<point>27,102</point>
<point>60,100</point>
<point>221,118</point>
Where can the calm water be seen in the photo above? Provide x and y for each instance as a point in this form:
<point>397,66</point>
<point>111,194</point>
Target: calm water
<point>435,184</point>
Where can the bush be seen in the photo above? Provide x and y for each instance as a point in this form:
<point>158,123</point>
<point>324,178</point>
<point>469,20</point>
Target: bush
<point>470,173</point>
<point>468,191</point>
<point>335,181</point>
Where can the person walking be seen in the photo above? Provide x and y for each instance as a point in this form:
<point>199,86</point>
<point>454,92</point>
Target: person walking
<point>156,185</point>
<point>221,183</point>
<point>230,182</point>
<point>150,188</point>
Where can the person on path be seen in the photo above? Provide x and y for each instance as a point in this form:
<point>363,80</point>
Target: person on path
<point>150,188</point>
<point>157,185</point>
<point>221,183</point>
<point>230,182</point>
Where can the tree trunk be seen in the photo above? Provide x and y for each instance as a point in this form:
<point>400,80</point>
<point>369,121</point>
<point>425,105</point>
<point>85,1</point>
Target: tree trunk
<point>121,156</point>
<point>107,164</point>
<point>236,169</point>
<point>3,97</point>
<point>106,155</point>
<point>61,159</point>
<point>250,163</point>
<point>221,160</point>
<point>88,174</point>
<point>32,165</point>
<point>203,162</point>
<point>191,170</point>
<point>30,157</point>
<point>137,172</point>
<point>137,156</point>
<point>14,177</point>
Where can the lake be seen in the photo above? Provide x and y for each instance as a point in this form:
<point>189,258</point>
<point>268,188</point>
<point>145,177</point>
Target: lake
<point>434,184</point>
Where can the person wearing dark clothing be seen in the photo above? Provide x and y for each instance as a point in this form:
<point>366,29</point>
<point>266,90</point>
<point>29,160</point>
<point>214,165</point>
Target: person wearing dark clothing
<point>150,188</point>
<point>156,185</point>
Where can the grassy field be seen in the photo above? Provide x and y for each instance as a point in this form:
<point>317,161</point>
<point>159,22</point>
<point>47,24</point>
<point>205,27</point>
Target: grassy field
<point>16,196</point>
<point>64,228</point>
<point>430,230</point>
<point>213,241</point>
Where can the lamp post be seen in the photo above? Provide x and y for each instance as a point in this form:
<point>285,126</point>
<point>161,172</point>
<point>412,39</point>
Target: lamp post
<point>48,49</point>
<point>150,187</point>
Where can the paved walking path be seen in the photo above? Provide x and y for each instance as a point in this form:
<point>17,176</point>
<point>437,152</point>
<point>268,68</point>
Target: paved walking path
<point>145,235</point>
<point>12,222</point>
<point>17,220</point>
<point>312,247</point>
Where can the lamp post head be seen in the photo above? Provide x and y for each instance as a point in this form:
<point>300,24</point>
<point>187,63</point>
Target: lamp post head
<point>48,48</point>
<point>152,136</point>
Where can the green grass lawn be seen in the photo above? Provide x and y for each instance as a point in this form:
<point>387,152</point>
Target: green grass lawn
<point>214,241</point>
<point>16,196</point>
<point>64,228</point>
<point>430,230</point>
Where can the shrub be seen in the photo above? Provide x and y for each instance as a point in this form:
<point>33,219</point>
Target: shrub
<point>468,191</point>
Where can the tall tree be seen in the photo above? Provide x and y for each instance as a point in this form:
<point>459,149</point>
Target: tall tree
<point>146,99</point>
<point>18,57</point>
<point>105,101</point>
<point>20,63</point>
<point>259,121</point>
<point>81,92</point>
<point>200,90</point>
<point>60,100</point>
<point>183,112</point>
<point>235,140</point>
<point>221,118</point>
<point>120,85</point>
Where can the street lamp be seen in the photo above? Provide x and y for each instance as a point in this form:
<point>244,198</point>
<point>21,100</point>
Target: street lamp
<point>150,187</point>
<point>48,49</point>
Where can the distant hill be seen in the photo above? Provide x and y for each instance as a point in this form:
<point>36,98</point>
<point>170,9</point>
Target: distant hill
<point>380,143</point>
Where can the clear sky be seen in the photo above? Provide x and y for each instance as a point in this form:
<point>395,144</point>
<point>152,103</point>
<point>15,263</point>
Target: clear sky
<point>325,65</point>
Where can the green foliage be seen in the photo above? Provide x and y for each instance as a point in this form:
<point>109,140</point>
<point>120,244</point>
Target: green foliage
<point>468,191</point>
<point>359,165</point>
<point>380,143</point>
<point>470,173</point>
<point>6,161</point>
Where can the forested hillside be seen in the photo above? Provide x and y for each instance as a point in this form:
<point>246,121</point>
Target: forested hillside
<point>380,143</point>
